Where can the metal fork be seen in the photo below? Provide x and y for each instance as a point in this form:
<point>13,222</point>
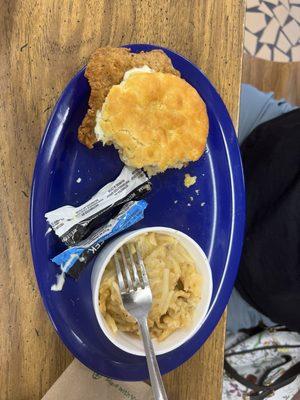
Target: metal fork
<point>137,300</point>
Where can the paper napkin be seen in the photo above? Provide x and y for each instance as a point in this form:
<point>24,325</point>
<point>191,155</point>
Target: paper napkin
<point>78,382</point>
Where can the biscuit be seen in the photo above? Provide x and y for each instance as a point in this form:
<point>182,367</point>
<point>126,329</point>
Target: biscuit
<point>156,121</point>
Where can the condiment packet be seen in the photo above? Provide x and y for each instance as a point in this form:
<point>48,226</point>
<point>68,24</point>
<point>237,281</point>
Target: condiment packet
<point>72,224</point>
<point>74,259</point>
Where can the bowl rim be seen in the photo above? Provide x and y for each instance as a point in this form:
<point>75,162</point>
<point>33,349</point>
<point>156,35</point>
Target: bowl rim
<point>119,242</point>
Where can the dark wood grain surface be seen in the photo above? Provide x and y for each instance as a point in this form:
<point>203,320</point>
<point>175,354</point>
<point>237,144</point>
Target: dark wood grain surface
<point>42,44</point>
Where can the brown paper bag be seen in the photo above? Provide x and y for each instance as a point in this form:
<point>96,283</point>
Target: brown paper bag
<point>79,383</point>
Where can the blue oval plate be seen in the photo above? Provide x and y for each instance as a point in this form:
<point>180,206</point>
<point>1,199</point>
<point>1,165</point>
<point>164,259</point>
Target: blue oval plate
<point>211,212</point>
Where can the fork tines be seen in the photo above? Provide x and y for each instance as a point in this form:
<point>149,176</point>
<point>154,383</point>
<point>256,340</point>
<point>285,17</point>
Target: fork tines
<point>130,268</point>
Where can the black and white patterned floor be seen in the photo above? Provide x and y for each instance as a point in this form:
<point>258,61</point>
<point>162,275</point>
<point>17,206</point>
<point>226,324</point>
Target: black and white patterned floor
<point>272,29</point>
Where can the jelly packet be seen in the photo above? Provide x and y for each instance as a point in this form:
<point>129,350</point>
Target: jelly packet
<point>74,259</point>
<point>72,224</point>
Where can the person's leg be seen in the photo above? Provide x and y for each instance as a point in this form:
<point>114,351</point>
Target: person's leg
<point>240,315</point>
<point>257,107</point>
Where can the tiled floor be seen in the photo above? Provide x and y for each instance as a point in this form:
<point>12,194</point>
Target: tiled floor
<point>273,29</point>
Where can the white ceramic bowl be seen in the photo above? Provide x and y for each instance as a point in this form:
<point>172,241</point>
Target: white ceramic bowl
<point>134,345</point>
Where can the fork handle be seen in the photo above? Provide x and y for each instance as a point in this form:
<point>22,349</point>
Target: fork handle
<point>154,372</point>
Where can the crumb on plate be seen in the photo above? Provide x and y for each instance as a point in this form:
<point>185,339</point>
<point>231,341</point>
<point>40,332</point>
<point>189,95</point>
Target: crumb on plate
<point>189,180</point>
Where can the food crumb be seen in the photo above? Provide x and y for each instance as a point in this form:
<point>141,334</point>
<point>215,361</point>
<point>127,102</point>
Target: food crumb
<point>191,198</point>
<point>189,180</point>
<point>202,204</point>
<point>78,180</point>
<point>175,201</point>
<point>189,204</point>
<point>197,192</point>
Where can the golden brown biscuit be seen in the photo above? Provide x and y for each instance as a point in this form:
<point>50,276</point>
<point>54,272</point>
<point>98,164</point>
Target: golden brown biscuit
<point>156,120</point>
<point>106,68</point>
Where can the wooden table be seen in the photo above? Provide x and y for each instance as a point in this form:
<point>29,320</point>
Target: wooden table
<point>281,78</point>
<point>43,43</point>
